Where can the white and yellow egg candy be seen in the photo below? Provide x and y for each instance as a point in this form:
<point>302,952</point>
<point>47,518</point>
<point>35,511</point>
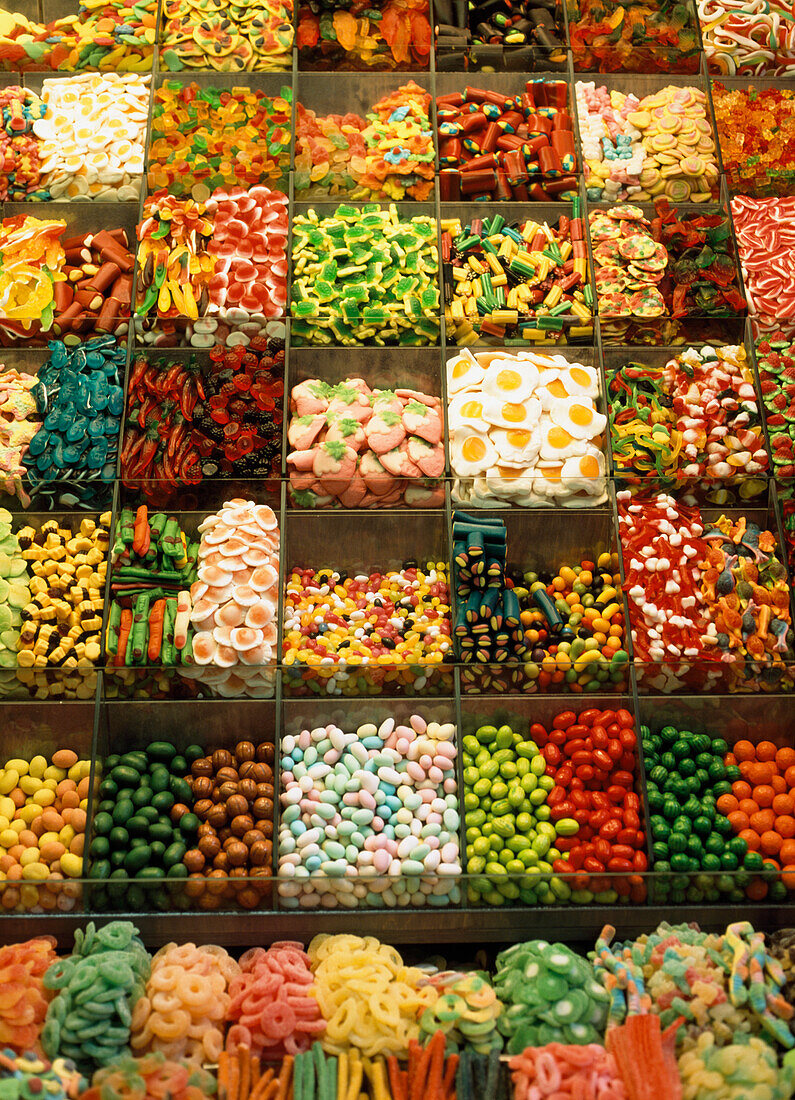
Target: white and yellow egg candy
<point>525,430</point>
<point>93,135</point>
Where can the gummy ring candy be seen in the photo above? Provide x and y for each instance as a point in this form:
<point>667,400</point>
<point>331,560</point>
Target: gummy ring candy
<point>59,974</point>
<point>116,973</point>
<point>192,990</point>
<point>172,1026</point>
<point>279,1023</point>
<point>115,936</point>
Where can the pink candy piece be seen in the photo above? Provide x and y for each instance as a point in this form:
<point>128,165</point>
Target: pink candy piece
<point>249,243</point>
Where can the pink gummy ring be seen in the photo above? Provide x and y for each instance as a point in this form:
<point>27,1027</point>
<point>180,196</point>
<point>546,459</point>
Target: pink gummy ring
<point>279,1022</point>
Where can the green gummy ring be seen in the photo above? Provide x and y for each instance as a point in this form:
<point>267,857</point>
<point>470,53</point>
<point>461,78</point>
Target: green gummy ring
<point>59,975</point>
<point>51,1036</point>
<point>116,936</point>
<point>116,973</point>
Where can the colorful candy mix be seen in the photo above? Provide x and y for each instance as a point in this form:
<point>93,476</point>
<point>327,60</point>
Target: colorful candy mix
<point>467,1011</point>
<point>152,1077</point>
<point>655,36</point>
<point>364,448</point>
<point>638,148</point>
<point>325,643</point>
<point>183,1010</point>
<point>272,1010</point>
<point>348,839</point>
<point>211,268</point>
<point>14,595</point>
<point>765,231</point>
<point>246,36</point>
<point>393,34</point>
<point>747,37</point>
<point>391,298</point>
<point>20,154</point>
<point>205,137</point>
<point>562,1069</point>
<point>732,1072</point>
<point>31,258</point>
<point>24,1004</point>
<point>43,814</point>
<point>368,997</point>
<point>775,358</point>
<point>524,428</point>
<point>498,146</point>
<point>114,959</point>
<point>25,1076</point>
<point>109,35</point>
<point>527,280</point>
<point>233,603</point>
<point>62,625</point>
<point>92,136</point>
<point>759,157</point>
<point>569,1005</point>
<point>388,155</point>
<point>19,422</point>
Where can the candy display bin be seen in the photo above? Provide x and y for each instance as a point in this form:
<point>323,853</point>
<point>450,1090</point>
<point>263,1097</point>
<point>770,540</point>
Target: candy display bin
<point>440,891</point>
<point>152,886</point>
<point>357,94</point>
<point>364,37</point>
<point>741,486</point>
<point>32,733</point>
<point>759,174</point>
<point>386,370</point>
<point>599,41</point>
<point>541,543</point>
<point>343,541</point>
<point>488,59</point>
<point>274,167</point>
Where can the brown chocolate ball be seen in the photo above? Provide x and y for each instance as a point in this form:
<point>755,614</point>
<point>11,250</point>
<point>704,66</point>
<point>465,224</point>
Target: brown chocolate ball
<point>222,758</point>
<point>244,750</point>
<point>237,853</point>
<point>248,789</point>
<point>209,846</point>
<point>204,766</point>
<point>194,861</point>
<point>226,775</point>
<point>221,862</point>
<point>217,816</point>
<point>241,824</point>
<point>263,809</point>
<point>260,853</point>
<point>236,805</point>
<point>202,787</point>
<point>203,807</point>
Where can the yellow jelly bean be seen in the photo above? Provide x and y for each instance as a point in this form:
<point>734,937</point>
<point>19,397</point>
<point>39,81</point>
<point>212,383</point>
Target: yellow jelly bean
<point>55,773</point>
<point>30,812</point>
<point>38,871</point>
<point>8,780</point>
<point>67,835</point>
<point>29,784</point>
<point>71,865</point>
<point>20,766</point>
<point>18,825</point>
<point>7,808</point>
<point>44,797</point>
<point>30,855</point>
<point>8,838</point>
<point>38,767</point>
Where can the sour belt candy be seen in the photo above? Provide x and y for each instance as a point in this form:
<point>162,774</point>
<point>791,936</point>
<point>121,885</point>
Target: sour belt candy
<point>152,1077</point>
<point>113,962</point>
<point>747,37</point>
<point>527,280</point>
<point>654,36</point>
<point>43,814</point>
<point>765,230</point>
<point>568,1006</point>
<point>206,137</point>
<point>487,624</point>
<point>756,144</point>
<point>368,997</point>
<point>272,1010</point>
<point>364,448</point>
<point>524,428</point>
<point>391,297</point>
<point>388,155</point>
<point>369,817</point>
<point>92,136</point>
<point>498,146</point>
<point>337,36</point>
<point>233,602</point>
<point>245,36</point>
<point>182,1013</point>
<point>637,148</point>
<point>22,967</point>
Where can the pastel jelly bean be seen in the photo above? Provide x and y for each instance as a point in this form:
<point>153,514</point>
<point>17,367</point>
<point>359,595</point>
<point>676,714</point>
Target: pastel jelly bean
<point>363,980</point>
<point>233,798</point>
<point>387,155</point>
<point>60,643</point>
<point>364,448</point>
<point>638,148</point>
<point>393,36</point>
<point>525,428</point>
<point>233,602</point>
<point>764,229</point>
<point>570,1006</point>
<point>611,38</point>
<point>143,826</point>
<point>530,280</point>
<point>334,301</point>
<point>409,637</point>
<point>372,821</point>
<point>496,146</point>
<point>22,968</point>
<point>151,1078</point>
<point>272,1010</point>
<point>224,137</point>
<point>114,959</point>
<point>252,38</point>
<point>185,1004</point>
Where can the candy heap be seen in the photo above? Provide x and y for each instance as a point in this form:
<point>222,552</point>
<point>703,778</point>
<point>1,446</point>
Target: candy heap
<point>344,36</point>
<point>747,39</point>
<point>233,602</point>
<point>369,818</point>
<point>569,1069</point>
<point>388,155</point>
<point>20,154</point>
<point>758,159</point>
<point>765,230</point>
<point>22,968</point>
<point>638,148</point>
<point>364,448</point>
<point>498,146</point>
<point>524,428</point>
<point>390,297</point>
<point>526,279</point>
<point>153,1077</point>
<point>487,626</point>
<point>695,417</point>
<point>205,137</point>
<point>467,1011</point>
<point>109,35</point>
<point>19,422</point>
<point>775,358</point>
<point>244,36</point>
<point>533,31</point>
<point>31,258</point>
<point>14,596</point>
<point>214,269</point>
<point>657,35</point>
<point>386,631</point>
